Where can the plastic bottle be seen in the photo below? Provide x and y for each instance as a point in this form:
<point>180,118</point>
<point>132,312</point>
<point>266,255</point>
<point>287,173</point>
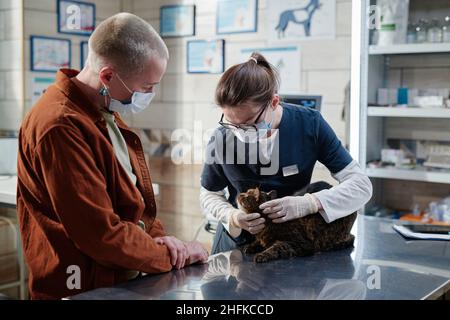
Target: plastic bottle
<point>446,29</point>
<point>421,31</point>
<point>411,34</point>
<point>416,210</point>
<point>434,33</point>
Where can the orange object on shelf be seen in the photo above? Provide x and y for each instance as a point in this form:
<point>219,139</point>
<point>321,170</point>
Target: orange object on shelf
<point>422,219</point>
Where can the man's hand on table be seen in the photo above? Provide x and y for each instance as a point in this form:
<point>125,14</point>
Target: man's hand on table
<point>197,253</point>
<point>177,249</point>
<point>183,253</point>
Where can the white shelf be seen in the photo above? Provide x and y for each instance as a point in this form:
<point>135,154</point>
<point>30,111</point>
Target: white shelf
<point>8,186</point>
<point>415,48</point>
<point>408,112</point>
<point>411,175</point>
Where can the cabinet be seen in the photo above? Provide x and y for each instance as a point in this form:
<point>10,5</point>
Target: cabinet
<point>403,65</point>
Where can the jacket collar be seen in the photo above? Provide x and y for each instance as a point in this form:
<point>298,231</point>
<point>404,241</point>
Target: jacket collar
<point>75,95</point>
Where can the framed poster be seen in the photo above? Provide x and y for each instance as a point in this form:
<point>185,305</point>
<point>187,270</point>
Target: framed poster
<point>75,17</point>
<point>177,21</point>
<point>38,87</point>
<point>294,20</point>
<point>287,60</point>
<point>49,54</point>
<point>84,49</point>
<point>236,16</point>
<point>206,56</point>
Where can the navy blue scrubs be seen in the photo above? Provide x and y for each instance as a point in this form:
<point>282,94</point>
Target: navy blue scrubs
<point>304,138</point>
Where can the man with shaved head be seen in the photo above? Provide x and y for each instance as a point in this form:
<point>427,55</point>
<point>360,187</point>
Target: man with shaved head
<point>85,199</point>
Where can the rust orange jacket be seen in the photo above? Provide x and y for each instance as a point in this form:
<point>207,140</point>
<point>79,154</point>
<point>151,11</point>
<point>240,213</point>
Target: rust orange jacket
<point>76,204</point>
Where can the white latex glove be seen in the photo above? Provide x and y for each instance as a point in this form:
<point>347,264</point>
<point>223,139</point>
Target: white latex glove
<point>290,208</point>
<point>252,222</point>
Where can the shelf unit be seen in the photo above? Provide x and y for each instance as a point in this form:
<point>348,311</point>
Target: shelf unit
<point>371,126</point>
<point>434,176</point>
<point>408,112</point>
<point>420,48</point>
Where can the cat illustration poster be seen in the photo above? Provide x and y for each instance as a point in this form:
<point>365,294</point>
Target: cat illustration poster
<point>294,20</point>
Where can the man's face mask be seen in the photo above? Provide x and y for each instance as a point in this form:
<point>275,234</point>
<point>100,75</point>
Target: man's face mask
<point>139,101</point>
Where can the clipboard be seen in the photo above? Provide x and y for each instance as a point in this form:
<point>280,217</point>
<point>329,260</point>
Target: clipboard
<point>423,232</point>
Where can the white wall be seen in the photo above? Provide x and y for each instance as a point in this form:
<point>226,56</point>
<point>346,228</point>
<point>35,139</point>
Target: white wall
<point>186,97</point>
<point>10,64</point>
<point>40,19</point>
<point>183,98</point>
<point>325,66</point>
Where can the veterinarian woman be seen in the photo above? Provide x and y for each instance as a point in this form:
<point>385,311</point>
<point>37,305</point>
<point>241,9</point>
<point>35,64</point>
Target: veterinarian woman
<point>288,140</point>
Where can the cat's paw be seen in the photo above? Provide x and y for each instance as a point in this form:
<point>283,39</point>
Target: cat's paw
<point>251,249</point>
<point>261,258</point>
<point>247,250</point>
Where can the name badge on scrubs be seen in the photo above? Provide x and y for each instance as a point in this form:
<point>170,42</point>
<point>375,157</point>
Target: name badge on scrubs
<point>290,170</point>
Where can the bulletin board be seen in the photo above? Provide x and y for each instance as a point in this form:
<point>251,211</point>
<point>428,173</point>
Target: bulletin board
<point>294,20</point>
<point>236,16</point>
<point>177,21</point>
<point>287,61</point>
<point>84,50</point>
<point>75,17</point>
<point>49,54</point>
<point>206,56</point>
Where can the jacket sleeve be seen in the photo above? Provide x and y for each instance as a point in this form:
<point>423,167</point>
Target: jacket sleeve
<point>217,205</point>
<point>79,197</point>
<point>351,194</point>
<point>157,229</point>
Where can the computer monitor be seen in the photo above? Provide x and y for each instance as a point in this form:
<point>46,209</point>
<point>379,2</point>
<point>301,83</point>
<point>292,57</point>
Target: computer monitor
<point>314,102</point>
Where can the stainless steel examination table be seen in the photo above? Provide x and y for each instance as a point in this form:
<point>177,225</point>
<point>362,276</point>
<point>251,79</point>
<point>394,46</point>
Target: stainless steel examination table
<point>382,265</point>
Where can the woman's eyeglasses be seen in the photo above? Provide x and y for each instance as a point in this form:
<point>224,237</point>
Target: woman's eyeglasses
<point>244,127</point>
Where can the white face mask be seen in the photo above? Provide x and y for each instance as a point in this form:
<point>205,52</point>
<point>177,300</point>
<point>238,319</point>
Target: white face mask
<point>139,102</point>
<point>265,144</point>
<point>250,136</point>
<point>263,129</point>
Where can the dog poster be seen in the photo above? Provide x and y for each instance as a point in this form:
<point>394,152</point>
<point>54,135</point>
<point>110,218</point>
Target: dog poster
<point>295,20</point>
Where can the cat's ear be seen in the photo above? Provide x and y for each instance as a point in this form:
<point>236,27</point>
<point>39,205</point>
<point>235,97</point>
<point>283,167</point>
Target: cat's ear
<point>272,194</point>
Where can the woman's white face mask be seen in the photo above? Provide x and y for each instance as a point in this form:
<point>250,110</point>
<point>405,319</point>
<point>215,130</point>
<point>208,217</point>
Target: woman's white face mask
<point>139,102</point>
<point>252,136</point>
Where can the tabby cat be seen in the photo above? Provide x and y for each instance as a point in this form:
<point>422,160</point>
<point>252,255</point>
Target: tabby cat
<point>300,237</point>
